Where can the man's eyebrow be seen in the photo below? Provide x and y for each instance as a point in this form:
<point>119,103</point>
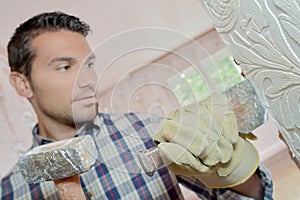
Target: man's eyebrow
<point>61,59</point>
<point>91,57</point>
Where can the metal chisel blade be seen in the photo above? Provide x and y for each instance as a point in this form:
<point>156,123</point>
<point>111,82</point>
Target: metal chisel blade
<point>246,104</point>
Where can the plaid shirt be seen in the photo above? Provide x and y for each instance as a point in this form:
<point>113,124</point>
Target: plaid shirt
<point>116,174</point>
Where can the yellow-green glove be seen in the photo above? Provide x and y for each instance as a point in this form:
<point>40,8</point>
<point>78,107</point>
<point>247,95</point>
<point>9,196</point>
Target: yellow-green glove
<point>202,140</point>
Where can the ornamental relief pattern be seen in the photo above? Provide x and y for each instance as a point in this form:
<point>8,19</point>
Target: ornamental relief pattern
<point>264,37</point>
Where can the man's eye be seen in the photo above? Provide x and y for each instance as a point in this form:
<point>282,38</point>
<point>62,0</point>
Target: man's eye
<point>91,65</point>
<point>64,68</point>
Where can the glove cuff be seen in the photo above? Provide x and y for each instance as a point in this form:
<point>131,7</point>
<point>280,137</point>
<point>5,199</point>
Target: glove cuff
<point>244,170</point>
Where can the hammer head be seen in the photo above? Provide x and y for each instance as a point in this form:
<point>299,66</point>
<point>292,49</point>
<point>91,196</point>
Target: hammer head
<point>59,160</point>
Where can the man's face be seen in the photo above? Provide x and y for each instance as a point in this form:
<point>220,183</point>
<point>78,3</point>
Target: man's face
<point>63,78</point>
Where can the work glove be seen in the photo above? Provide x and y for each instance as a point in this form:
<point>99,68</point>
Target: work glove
<point>202,140</point>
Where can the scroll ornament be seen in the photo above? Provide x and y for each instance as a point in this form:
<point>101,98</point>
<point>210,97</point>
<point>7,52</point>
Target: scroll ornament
<point>264,38</point>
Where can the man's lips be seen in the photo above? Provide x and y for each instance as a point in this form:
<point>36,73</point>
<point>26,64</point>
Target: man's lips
<point>87,98</point>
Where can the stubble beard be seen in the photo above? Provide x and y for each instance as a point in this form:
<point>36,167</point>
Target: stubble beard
<point>68,115</point>
<point>80,118</point>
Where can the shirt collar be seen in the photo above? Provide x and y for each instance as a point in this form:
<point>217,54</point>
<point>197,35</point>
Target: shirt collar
<point>87,129</point>
<point>38,139</point>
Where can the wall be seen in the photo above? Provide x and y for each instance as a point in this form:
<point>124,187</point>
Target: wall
<point>16,120</point>
<point>146,87</point>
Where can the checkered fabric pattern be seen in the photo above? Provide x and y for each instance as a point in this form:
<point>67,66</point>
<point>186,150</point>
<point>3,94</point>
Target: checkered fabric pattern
<point>117,173</point>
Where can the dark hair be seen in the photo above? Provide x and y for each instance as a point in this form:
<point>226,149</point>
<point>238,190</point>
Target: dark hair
<point>20,52</point>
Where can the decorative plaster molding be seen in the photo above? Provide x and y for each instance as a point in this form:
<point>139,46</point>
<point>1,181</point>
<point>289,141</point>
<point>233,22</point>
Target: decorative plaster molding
<point>264,37</point>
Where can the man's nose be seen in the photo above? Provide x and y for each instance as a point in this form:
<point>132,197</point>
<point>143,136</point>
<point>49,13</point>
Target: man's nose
<point>86,77</point>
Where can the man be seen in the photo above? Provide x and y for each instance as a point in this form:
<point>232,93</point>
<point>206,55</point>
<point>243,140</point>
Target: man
<point>53,67</point>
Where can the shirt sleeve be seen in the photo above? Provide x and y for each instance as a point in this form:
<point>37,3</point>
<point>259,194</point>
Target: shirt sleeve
<point>205,193</point>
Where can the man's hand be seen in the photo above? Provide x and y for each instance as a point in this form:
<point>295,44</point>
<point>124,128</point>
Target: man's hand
<point>202,140</point>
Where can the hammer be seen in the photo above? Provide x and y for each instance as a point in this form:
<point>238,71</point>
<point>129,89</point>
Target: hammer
<point>62,162</point>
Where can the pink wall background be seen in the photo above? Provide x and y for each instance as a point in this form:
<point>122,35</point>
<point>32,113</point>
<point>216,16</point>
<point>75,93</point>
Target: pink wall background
<point>16,120</point>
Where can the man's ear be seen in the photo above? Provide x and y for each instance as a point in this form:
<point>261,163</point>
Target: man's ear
<point>21,83</point>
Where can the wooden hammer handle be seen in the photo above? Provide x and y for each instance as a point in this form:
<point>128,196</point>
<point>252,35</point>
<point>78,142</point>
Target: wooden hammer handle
<point>70,188</point>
